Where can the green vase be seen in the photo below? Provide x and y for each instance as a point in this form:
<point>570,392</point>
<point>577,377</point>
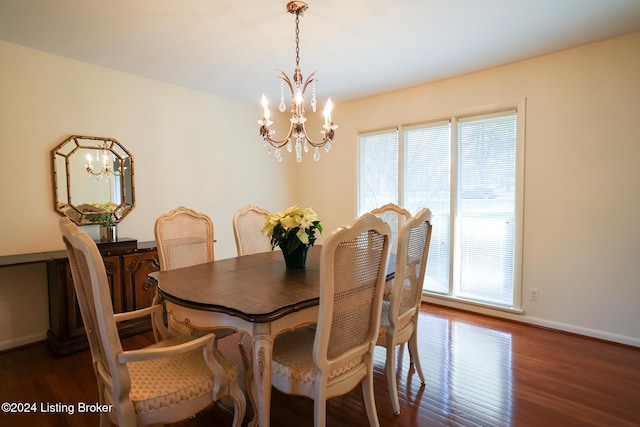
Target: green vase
<point>297,258</point>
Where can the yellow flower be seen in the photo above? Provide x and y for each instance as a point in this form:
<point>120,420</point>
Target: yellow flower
<point>291,227</point>
<point>270,222</point>
<point>302,236</point>
<point>308,217</point>
<point>289,222</point>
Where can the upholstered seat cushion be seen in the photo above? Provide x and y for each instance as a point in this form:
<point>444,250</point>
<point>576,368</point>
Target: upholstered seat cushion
<point>161,383</point>
<point>292,356</point>
<point>293,360</point>
<point>384,320</point>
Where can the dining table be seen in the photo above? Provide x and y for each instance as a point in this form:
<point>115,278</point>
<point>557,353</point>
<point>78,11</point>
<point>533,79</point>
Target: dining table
<point>256,294</point>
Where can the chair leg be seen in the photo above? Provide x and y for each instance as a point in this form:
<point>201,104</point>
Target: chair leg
<point>239,403</point>
<point>390,367</point>
<point>369,398</point>
<point>415,356</point>
<point>320,410</point>
<point>104,420</point>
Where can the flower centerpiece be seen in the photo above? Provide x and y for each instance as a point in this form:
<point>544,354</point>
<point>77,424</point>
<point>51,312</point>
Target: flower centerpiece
<point>106,218</point>
<point>294,231</point>
<point>103,214</point>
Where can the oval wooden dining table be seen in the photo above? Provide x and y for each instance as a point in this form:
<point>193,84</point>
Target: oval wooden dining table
<point>256,294</point>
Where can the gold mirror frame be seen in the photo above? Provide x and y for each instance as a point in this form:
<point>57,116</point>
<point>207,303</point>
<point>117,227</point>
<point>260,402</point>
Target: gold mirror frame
<point>93,180</point>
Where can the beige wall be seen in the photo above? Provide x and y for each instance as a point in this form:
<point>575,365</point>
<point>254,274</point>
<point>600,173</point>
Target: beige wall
<point>581,235</point>
<point>582,198</point>
<point>189,148</point>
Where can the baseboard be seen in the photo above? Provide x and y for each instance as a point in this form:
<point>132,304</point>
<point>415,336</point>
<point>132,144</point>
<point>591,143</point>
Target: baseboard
<point>534,321</point>
<point>592,333</point>
<point>19,342</point>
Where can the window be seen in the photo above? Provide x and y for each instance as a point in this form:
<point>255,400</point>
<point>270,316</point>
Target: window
<point>378,171</point>
<point>465,169</point>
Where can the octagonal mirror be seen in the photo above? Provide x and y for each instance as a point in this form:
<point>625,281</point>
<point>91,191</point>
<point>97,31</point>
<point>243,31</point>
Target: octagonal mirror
<point>93,180</point>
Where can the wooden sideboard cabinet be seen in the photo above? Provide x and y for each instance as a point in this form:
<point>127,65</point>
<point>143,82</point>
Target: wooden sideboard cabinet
<point>127,265</point>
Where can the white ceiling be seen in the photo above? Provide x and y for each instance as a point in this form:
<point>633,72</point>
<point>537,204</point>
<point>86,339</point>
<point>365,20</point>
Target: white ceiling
<point>359,47</point>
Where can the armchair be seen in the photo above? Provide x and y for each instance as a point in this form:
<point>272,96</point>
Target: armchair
<point>160,384</point>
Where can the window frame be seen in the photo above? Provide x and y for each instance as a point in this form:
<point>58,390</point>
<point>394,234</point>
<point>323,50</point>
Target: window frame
<point>519,108</point>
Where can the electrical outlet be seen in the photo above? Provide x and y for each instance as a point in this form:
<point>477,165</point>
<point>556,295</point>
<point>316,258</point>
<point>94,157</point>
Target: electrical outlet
<point>533,294</point>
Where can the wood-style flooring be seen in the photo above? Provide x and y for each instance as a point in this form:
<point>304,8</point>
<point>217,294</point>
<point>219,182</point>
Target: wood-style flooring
<point>480,371</point>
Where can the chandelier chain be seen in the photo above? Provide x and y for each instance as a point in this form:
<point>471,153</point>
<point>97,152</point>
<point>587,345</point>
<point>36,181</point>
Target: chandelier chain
<point>297,40</point>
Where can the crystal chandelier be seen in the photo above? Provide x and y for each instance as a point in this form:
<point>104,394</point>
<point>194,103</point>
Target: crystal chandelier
<point>297,129</point>
<point>103,158</point>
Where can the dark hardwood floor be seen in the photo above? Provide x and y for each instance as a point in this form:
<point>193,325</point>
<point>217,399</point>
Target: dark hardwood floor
<point>480,371</point>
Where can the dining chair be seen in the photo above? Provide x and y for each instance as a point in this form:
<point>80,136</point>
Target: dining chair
<point>184,238</point>
<point>164,383</point>
<point>395,216</point>
<point>399,323</point>
<point>247,230</point>
<point>336,356</point>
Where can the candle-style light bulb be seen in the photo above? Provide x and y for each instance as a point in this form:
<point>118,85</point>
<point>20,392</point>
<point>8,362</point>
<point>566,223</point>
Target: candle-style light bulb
<point>327,111</point>
<point>264,104</point>
<point>298,97</point>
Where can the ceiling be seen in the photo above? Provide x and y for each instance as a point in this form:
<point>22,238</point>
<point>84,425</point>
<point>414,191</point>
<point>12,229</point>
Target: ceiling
<point>359,47</point>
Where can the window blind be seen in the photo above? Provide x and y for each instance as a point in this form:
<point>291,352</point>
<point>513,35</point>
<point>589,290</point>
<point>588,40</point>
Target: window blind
<point>486,208</point>
<point>427,160</point>
<point>378,170</point>
<point>464,170</point>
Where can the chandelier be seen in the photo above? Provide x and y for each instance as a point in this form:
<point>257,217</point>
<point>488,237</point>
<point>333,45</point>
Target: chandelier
<point>297,129</point>
<point>103,158</point>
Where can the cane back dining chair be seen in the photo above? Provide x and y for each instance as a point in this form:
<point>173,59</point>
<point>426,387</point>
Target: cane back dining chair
<point>395,216</point>
<point>399,323</point>
<point>247,230</point>
<point>336,356</point>
<point>184,238</point>
<point>160,384</point>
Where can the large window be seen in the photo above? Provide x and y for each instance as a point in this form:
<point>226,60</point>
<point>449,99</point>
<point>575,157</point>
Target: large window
<point>467,170</point>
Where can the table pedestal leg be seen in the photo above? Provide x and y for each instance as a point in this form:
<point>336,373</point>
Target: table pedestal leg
<point>262,353</point>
